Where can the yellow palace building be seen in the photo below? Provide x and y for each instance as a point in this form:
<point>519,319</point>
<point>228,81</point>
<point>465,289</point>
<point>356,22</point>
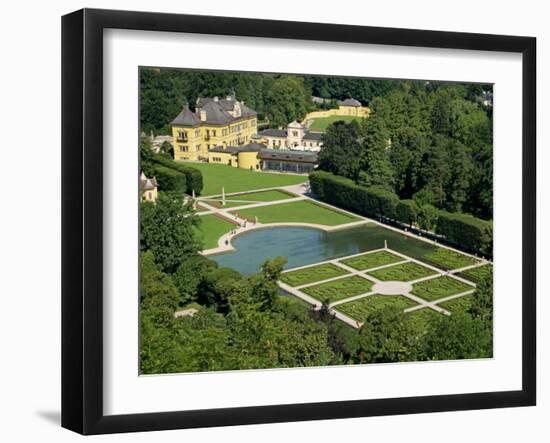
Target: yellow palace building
<point>222,123</point>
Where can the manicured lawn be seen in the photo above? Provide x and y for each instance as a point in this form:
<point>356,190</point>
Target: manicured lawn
<point>477,275</point>
<point>460,304</point>
<point>447,259</point>
<point>440,287</point>
<point>298,212</point>
<point>404,272</point>
<point>212,228</point>
<point>360,309</point>
<point>372,260</point>
<point>312,274</point>
<point>218,204</point>
<point>262,196</point>
<point>422,317</point>
<point>232,201</point>
<point>236,180</point>
<point>339,289</point>
<point>320,124</point>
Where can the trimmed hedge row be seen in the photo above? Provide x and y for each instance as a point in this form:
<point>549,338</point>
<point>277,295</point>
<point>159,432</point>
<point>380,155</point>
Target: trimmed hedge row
<point>466,230</point>
<point>463,230</point>
<point>193,176</point>
<point>344,193</point>
<point>170,180</point>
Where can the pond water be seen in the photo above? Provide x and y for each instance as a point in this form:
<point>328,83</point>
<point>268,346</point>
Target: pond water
<point>304,246</point>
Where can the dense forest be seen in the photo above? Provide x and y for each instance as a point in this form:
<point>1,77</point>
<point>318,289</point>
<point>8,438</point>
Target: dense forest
<point>243,322</point>
<point>429,143</point>
<point>277,98</point>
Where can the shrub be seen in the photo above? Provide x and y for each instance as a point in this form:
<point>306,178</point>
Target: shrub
<point>344,193</point>
<point>193,176</point>
<point>427,217</point>
<point>406,212</point>
<point>466,230</point>
<point>170,180</point>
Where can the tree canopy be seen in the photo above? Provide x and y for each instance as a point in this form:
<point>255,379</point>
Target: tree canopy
<point>431,143</point>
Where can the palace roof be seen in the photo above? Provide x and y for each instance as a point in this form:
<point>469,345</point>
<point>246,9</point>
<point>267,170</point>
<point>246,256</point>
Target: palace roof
<point>313,135</point>
<point>250,147</point>
<point>351,102</point>
<point>215,114</point>
<point>287,155</point>
<point>218,112</point>
<point>147,184</point>
<point>274,133</point>
<point>186,118</point>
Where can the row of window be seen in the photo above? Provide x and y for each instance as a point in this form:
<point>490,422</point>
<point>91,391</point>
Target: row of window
<point>277,143</point>
<point>182,135</point>
<point>185,148</point>
<point>301,168</point>
<point>217,159</point>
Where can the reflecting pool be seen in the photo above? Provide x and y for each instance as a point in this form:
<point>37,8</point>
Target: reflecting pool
<point>304,246</point>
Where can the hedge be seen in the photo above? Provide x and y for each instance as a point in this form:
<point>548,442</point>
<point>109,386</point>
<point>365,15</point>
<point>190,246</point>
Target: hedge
<point>407,212</point>
<point>462,230</point>
<point>466,231</point>
<point>169,180</point>
<point>193,176</point>
<point>344,193</point>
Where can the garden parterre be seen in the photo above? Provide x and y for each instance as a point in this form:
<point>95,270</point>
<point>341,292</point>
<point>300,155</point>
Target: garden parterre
<point>351,296</point>
<point>312,274</point>
<point>371,260</point>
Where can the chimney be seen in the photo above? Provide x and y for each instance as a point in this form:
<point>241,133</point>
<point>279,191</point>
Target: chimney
<point>237,109</point>
<point>203,115</point>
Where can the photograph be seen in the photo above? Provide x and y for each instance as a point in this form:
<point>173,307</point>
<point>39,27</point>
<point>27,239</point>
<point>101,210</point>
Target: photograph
<point>299,220</point>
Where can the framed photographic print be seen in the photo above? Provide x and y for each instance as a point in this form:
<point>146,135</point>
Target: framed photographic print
<point>270,221</point>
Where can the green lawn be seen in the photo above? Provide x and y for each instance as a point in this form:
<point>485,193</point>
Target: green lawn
<point>477,275</point>
<point>339,289</point>
<point>312,274</point>
<point>250,198</point>
<point>372,260</point>
<point>237,180</point>
<point>440,287</point>
<point>320,124</point>
<point>460,304</point>
<point>360,309</point>
<point>262,196</point>
<point>212,228</point>
<point>447,259</point>
<point>218,204</point>
<point>404,272</point>
<point>298,212</point>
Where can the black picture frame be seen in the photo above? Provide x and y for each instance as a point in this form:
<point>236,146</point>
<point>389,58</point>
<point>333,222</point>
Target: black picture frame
<point>82,219</point>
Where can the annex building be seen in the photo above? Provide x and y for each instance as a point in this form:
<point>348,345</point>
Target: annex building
<point>256,157</point>
<point>295,136</point>
<point>148,187</point>
<point>214,123</point>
